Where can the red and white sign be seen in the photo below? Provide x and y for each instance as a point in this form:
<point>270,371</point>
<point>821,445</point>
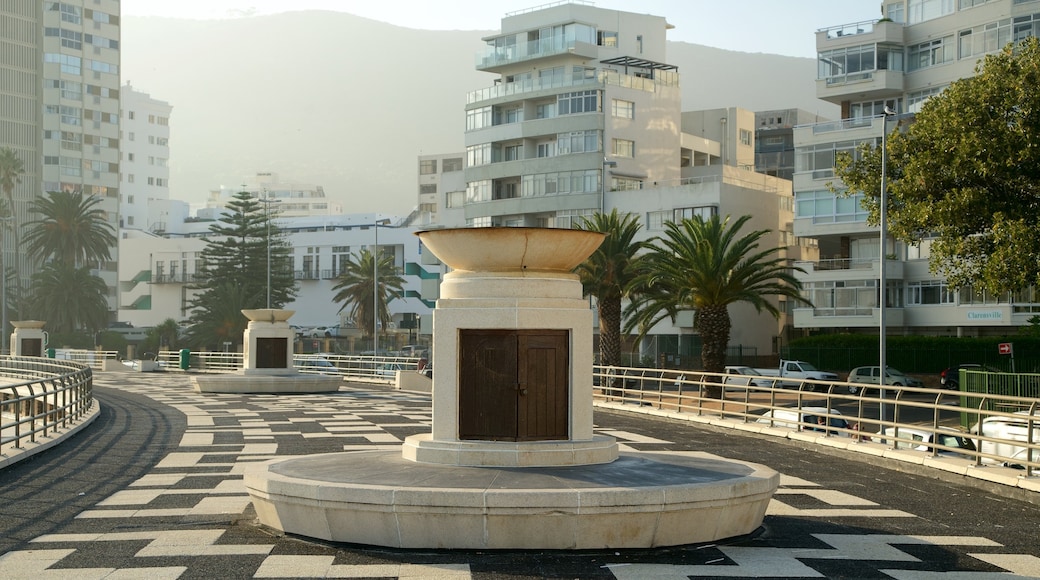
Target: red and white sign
<point>1004,348</point>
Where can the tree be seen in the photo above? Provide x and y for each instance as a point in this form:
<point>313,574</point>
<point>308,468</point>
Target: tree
<point>966,172</point>
<point>704,266</point>
<point>355,287</point>
<point>609,274</point>
<point>71,230</point>
<point>11,170</point>
<point>165,336</point>
<point>69,298</point>
<point>234,272</point>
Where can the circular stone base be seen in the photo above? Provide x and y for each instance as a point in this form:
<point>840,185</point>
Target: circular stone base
<point>641,500</point>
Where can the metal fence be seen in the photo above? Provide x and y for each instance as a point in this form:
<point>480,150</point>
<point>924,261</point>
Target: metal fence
<point>354,367</point>
<point>39,396</point>
<point>1002,429</point>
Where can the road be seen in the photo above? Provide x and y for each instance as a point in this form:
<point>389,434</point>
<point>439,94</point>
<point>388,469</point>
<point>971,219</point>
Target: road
<point>153,490</point>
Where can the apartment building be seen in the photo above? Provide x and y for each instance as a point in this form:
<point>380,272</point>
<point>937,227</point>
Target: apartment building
<point>60,62</point>
<point>145,165</point>
<point>294,199</point>
<point>584,114</point>
<point>898,62</point>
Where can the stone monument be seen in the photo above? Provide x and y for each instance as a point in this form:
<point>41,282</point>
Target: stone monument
<point>512,461</point>
<point>29,338</point>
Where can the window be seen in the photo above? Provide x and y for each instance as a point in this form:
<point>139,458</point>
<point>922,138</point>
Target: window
<point>625,184</point>
<point>931,53</point>
<point>962,4</point>
<point>867,109</point>
<point>130,178</point>
<point>623,148</point>
<point>455,199</point>
<point>69,64</point>
<point>130,115</point>
<point>451,164</point>
<point>427,166</point>
<point>1025,27</point>
<point>917,99</point>
<point>478,118</point>
<point>655,220</point>
<point>512,152</point>
<point>922,10</point>
<point>705,212</point>
<point>577,142</point>
<point>983,39</point>
<point>129,156</point>
<point>578,102</point>
<point>745,137</point>
<point>624,109</point>
<point>824,206</point>
<point>478,155</point>
<point>606,38</point>
<point>132,136</point>
<point>546,111</point>
<point>846,61</point>
<point>545,150</point>
<point>428,188</point>
<point>896,11</point>
<point>929,292</point>
<point>477,191</point>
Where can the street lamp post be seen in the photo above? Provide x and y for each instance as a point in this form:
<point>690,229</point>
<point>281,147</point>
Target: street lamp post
<point>882,278</point>
<point>375,287</point>
<point>267,201</point>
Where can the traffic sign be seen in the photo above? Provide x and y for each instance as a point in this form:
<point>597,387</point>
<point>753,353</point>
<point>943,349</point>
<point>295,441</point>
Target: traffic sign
<point>1004,348</point>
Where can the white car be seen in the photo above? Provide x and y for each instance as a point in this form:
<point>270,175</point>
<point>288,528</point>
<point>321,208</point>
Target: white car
<point>922,438</point>
<point>1014,427</point>
<point>744,376</point>
<point>810,419</point>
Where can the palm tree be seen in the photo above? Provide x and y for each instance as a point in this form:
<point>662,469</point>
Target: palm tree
<point>11,170</point>
<point>706,265</point>
<point>69,298</point>
<point>355,287</point>
<point>71,229</point>
<point>609,274</point>
<point>223,320</point>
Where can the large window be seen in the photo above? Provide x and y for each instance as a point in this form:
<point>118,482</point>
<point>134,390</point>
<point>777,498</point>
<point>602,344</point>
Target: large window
<point>868,109</point>
<point>845,61</point>
<point>931,53</point>
<point>478,154</point>
<point>451,164</point>
<point>577,102</point>
<point>819,159</point>
<point>983,39</point>
<point>623,148</point>
<point>478,118</point>
<point>917,99</point>
<point>578,142</point>
<point>824,206</point>
<point>1025,27</point>
<point>705,212</point>
<point>929,292</point>
<point>921,10</point>
<point>427,167</point>
<point>624,109</point>
<point>562,183</point>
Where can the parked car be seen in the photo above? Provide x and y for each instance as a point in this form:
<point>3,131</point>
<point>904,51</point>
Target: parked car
<point>1013,427</point>
<point>923,438</point>
<point>811,418</point>
<point>796,369</point>
<point>951,377</point>
<point>314,364</point>
<point>323,331</point>
<point>744,376</point>
<point>870,376</point>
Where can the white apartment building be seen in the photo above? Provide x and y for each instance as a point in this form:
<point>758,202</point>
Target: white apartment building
<point>145,165</point>
<point>294,199</point>
<point>910,55</point>
<point>584,114</point>
<point>60,64</point>
<point>156,270</point>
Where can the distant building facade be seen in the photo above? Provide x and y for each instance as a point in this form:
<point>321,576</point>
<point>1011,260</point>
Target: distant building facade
<point>145,165</point>
<point>899,62</point>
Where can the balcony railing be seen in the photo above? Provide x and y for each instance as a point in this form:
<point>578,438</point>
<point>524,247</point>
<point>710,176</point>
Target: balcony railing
<point>843,30</point>
<point>602,78</point>
<point>173,278</point>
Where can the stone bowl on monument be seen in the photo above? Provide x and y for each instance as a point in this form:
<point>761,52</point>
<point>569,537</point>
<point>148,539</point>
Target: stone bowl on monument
<point>512,461</point>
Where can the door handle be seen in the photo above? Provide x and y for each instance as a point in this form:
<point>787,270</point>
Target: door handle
<point>523,392</point>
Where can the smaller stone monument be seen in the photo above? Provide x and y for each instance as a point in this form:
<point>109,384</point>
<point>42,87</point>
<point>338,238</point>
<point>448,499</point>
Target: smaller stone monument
<point>267,361</point>
<point>28,338</point>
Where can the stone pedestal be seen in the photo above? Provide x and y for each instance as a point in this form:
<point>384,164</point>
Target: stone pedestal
<point>267,361</point>
<point>28,338</point>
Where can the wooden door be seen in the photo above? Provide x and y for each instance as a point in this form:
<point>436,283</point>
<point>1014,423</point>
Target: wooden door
<point>513,385</point>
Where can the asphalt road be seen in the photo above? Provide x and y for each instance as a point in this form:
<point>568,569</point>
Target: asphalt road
<point>837,515</point>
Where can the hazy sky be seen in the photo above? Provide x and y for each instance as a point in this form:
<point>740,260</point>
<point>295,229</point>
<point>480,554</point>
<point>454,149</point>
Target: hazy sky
<point>773,26</point>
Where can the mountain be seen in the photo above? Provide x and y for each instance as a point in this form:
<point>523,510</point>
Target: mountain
<point>350,103</point>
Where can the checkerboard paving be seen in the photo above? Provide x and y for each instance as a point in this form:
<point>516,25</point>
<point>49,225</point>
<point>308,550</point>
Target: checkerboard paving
<point>191,516</point>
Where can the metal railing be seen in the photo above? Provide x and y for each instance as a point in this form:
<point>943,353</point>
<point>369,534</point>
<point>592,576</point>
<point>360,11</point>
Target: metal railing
<point>95,359</point>
<point>39,396</point>
<point>353,367</point>
<point>891,416</point>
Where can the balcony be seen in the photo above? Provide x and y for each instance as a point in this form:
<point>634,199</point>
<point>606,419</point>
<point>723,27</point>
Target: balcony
<point>495,58</point>
<point>863,84</point>
<point>661,78</point>
<point>842,269</point>
<point>846,317</point>
<point>865,32</point>
<point>175,278</point>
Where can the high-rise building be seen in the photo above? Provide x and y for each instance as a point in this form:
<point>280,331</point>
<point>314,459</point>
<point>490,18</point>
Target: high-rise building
<point>898,62</point>
<point>145,164</point>
<point>60,67</point>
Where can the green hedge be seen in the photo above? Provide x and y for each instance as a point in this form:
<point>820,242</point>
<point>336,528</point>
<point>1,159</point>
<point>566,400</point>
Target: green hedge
<point>913,354</point>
